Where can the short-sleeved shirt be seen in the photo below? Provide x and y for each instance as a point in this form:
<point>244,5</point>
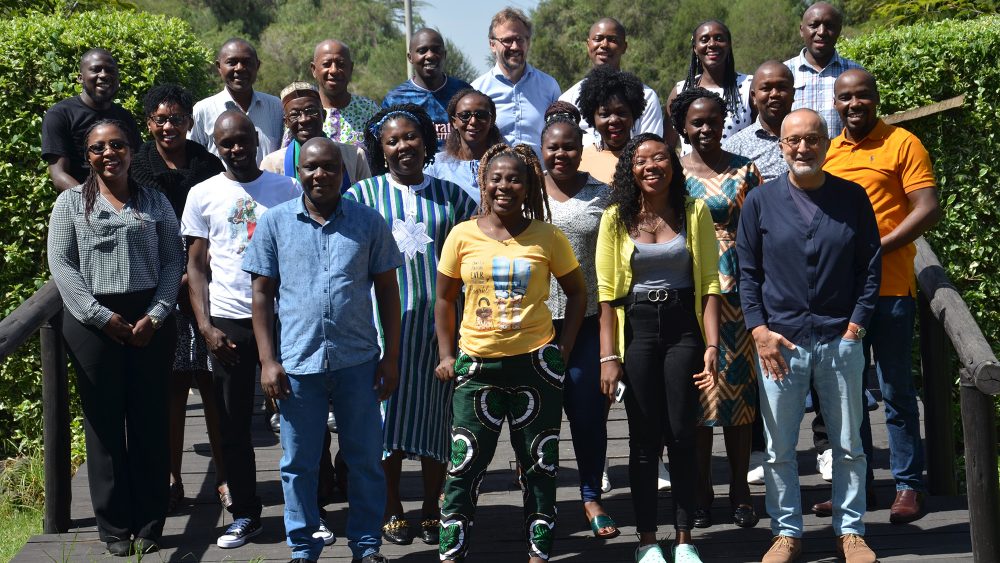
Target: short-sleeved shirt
<point>265,112</point>
<point>434,102</point>
<point>225,212</point>
<point>66,123</point>
<point>520,106</point>
<point>889,164</point>
<point>651,120</point>
<point>761,147</point>
<point>506,285</point>
<point>325,275</point>
<point>814,88</point>
<point>347,124</point>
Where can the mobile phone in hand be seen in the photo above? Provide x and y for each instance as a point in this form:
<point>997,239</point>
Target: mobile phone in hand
<point>620,392</point>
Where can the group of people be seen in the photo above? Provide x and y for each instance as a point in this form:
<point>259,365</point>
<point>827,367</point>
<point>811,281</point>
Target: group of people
<point>414,273</point>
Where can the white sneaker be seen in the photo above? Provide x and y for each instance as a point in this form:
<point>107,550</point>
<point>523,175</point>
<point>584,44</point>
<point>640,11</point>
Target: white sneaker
<point>324,533</point>
<point>605,480</point>
<point>756,474</point>
<point>651,553</point>
<point>663,479</point>
<point>824,464</point>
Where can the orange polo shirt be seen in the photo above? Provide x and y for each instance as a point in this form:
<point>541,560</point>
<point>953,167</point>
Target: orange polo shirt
<point>889,163</point>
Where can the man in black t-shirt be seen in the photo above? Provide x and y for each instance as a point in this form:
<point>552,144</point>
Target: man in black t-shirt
<point>66,122</point>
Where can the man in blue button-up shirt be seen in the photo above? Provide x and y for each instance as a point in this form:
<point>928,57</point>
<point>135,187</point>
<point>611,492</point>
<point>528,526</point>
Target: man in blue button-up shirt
<point>810,266</point>
<point>520,91</point>
<point>320,255</point>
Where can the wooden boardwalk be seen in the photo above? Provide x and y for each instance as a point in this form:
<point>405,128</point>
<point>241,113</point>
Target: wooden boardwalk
<point>190,534</point>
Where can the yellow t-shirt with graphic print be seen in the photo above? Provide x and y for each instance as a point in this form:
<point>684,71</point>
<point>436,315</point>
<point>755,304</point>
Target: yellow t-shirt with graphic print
<point>506,285</point>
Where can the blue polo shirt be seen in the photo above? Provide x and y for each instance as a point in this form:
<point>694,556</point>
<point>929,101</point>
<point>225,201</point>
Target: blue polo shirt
<point>807,281</point>
<point>325,275</point>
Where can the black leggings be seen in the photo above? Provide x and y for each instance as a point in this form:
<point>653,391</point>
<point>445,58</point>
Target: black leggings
<point>663,350</point>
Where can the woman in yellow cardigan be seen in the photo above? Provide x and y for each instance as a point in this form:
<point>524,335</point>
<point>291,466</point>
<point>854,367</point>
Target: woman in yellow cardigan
<point>658,287</point>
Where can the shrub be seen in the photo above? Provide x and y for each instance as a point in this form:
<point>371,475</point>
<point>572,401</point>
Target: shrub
<point>39,62</point>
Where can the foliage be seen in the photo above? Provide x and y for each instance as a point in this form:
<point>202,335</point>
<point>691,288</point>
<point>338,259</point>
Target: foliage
<point>39,62</point>
<point>903,12</point>
<point>22,492</point>
<point>10,8</point>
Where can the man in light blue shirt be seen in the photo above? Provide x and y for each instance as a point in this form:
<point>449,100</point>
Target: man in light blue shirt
<point>520,91</point>
<point>320,255</point>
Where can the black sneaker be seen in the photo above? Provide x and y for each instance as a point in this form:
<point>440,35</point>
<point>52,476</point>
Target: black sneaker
<point>239,532</point>
<point>372,558</point>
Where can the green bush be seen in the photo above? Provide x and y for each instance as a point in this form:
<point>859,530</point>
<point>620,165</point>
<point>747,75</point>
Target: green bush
<point>39,63</point>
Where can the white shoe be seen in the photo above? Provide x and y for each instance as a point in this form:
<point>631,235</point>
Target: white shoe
<point>324,533</point>
<point>756,474</point>
<point>605,480</point>
<point>651,553</point>
<point>824,464</point>
<point>663,479</point>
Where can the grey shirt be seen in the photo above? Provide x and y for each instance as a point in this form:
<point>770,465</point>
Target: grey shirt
<point>662,265</point>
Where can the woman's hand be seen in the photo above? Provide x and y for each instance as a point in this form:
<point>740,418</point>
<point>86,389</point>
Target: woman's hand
<point>274,380</point>
<point>142,332</point>
<point>611,374</point>
<point>445,370</point>
<point>118,329</point>
<point>712,360</point>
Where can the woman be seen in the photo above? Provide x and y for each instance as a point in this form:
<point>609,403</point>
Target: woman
<point>712,67</point>
<point>506,365</point>
<point>421,210</point>
<point>119,333</point>
<point>722,180</point>
<point>173,165</point>
<point>658,284</point>
<point>577,201</point>
<point>610,100</point>
<point>473,118</point>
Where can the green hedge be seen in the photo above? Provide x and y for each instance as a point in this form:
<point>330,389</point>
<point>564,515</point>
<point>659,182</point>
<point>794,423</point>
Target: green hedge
<point>39,63</point>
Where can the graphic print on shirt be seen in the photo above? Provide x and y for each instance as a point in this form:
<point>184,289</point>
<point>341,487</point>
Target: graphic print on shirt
<point>242,222</point>
<point>510,283</point>
<point>411,236</point>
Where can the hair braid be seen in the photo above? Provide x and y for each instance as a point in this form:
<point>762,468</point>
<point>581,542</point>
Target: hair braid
<point>536,205</point>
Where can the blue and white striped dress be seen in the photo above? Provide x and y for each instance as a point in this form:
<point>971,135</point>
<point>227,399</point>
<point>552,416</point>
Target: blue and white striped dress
<point>418,415</point>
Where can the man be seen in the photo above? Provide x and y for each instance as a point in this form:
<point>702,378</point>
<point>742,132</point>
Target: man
<point>521,92</point>
<point>808,289</point>
<point>605,46</point>
<point>332,68</point>
<point>772,92</point>
<point>320,255</point>
<point>895,169</point>
<point>429,87</point>
<point>66,123</point>
<point>818,64</point>
<point>238,66</point>
<point>219,220</point>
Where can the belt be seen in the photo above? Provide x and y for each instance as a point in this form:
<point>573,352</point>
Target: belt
<point>665,296</point>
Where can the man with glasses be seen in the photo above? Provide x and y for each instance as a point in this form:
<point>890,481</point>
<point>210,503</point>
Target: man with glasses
<point>521,92</point>
<point>810,264</point>
<point>66,123</point>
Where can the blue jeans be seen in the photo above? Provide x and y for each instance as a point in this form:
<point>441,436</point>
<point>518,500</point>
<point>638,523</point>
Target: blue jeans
<point>835,369</point>
<point>303,424</point>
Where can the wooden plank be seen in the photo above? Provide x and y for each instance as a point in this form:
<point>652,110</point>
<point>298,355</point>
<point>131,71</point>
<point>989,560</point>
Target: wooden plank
<point>17,327</point>
<point>935,365</point>
<point>979,426</point>
<point>917,113</point>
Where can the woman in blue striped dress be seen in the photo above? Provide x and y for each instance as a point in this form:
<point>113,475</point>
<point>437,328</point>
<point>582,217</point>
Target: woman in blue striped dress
<point>421,210</point>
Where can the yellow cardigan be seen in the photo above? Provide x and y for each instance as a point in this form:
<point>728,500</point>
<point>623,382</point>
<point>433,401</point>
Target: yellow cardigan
<point>613,260</point>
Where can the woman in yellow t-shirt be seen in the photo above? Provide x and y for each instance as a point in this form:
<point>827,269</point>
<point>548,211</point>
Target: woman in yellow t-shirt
<point>507,366</point>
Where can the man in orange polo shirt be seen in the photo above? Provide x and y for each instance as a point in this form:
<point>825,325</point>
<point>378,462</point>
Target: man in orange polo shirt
<point>895,169</point>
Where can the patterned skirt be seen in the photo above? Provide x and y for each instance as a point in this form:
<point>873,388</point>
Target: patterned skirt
<point>192,352</point>
<point>733,400</point>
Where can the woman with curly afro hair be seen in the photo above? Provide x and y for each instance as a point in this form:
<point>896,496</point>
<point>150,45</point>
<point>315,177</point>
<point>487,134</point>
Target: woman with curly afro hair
<point>610,101</point>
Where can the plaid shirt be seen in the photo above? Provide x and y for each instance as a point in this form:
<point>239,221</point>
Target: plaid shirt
<point>814,88</point>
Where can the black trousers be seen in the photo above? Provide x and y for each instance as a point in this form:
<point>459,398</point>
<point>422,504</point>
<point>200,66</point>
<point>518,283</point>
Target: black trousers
<point>123,391</point>
<point>663,350</point>
<point>234,387</point>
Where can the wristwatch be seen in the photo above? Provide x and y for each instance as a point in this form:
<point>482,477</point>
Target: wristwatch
<point>157,323</point>
<point>860,333</point>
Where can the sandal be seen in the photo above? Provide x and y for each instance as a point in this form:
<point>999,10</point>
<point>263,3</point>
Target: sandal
<point>430,530</point>
<point>600,522</point>
<point>397,530</point>
<point>175,496</point>
<point>225,499</point>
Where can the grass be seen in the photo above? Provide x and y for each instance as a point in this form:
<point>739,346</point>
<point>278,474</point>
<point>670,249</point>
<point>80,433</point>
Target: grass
<point>22,492</point>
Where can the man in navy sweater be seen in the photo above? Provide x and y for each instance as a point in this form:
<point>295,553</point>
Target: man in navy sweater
<point>810,264</point>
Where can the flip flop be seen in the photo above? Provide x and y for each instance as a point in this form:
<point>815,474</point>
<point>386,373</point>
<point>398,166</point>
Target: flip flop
<point>604,521</point>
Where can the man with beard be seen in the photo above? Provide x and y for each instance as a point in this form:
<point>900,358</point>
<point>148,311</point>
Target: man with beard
<point>429,88</point>
<point>66,122</point>
<point>346,114</point>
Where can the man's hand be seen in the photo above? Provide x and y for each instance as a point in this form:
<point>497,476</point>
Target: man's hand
<point>142,332</point>
<point>770,355</point>
<point>274,380</point>
<point>611,374</point>
<point>386,377</point>
<point>118,329</point>
<point>445,370</point>
<point>220,346</point>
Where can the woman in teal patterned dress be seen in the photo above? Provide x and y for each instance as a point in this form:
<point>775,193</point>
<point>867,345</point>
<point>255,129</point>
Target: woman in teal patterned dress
<point>421,210</point>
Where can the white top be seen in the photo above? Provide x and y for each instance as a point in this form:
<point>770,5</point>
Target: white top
<point>651,120</point>
<point>733,123</point>
<point>265,112</point>
<point>225,212</point>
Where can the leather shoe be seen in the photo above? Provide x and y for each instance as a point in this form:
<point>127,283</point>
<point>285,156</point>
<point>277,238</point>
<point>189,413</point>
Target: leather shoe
<point>907,507</point>
<point>825,509</point>
<point>702,518</point>
<point>397,530</point>
<point>430,530</point>
<point>745,516</point>
<point>120,548</point>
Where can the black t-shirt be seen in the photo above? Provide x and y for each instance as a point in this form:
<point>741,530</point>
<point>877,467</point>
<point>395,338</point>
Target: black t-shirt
<point>65,124</point>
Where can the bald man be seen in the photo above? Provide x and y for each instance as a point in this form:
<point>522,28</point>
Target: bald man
<point>346,114</point>
<point>772,92</point>
<point>605,46</point>
<point>238,65</point>
<point>219,220</point>
<point>429,88</point>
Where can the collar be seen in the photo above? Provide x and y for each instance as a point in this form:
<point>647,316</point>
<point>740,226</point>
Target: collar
<point>404,187</point>
<point>881,131</point>
<point>304,213</point>
<point>254,100</point>
<point>438,89</point>
<point>762,133</point>
<point>497,73</point>
<point>803,63</point>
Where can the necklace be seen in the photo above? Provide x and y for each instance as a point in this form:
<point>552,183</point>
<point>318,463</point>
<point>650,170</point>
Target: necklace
<point>651,230</point>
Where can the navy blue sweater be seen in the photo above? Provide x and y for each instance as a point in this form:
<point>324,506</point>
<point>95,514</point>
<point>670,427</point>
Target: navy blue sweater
<point>806,282</point>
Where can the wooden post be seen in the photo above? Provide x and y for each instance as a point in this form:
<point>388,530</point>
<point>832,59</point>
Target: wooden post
<point>979,424</point>
<point>935,364</point>
<point>55,433</point>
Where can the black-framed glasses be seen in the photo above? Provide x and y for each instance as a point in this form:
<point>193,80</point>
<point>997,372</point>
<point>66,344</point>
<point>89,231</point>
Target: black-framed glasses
<point>175,119</point>
<point>99,148</point>
<point>509,41</point>
<point>296,115</point>
<point>793,141</point>
<point>466,116</point>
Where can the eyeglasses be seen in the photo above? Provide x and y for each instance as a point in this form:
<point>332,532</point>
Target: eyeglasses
<point>175,119</point>
<point>792,141</point>
<point>295,116</point>
<point>466,116</point>
<point>99,148</point>
<point>509,41</point>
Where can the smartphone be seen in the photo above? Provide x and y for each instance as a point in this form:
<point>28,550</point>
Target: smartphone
<point>620,392</point>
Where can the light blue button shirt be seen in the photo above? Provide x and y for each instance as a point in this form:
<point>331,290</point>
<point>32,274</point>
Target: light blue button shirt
<point>521,106</point>
<point>814,88</point>
<point>325,275</point>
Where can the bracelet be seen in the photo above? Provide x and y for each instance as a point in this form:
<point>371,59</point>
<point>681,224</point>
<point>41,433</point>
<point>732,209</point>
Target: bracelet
<point>612,358</point>
<point>716,346</point>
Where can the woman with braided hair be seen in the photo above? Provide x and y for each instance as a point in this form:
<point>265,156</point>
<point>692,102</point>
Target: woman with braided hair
<point>506,365</point>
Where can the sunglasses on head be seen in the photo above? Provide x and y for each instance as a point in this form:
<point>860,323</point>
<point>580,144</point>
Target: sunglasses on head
<point>466,116</point>
<point>175,119</point>
<point>99,148</point>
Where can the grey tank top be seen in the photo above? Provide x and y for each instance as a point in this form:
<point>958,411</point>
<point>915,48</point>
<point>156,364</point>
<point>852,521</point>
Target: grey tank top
<point>662,265</point>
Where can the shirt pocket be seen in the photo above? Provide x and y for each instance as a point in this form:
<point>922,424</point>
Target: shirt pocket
<point>348,258</point>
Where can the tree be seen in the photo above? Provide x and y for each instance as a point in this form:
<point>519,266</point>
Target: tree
<point>906,12</point>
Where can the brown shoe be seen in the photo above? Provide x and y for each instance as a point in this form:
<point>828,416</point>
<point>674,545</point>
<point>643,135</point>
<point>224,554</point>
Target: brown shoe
<point>784,549</point>
<point>823,509</point>
<point>907,507</point>
<point>853,549</point>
